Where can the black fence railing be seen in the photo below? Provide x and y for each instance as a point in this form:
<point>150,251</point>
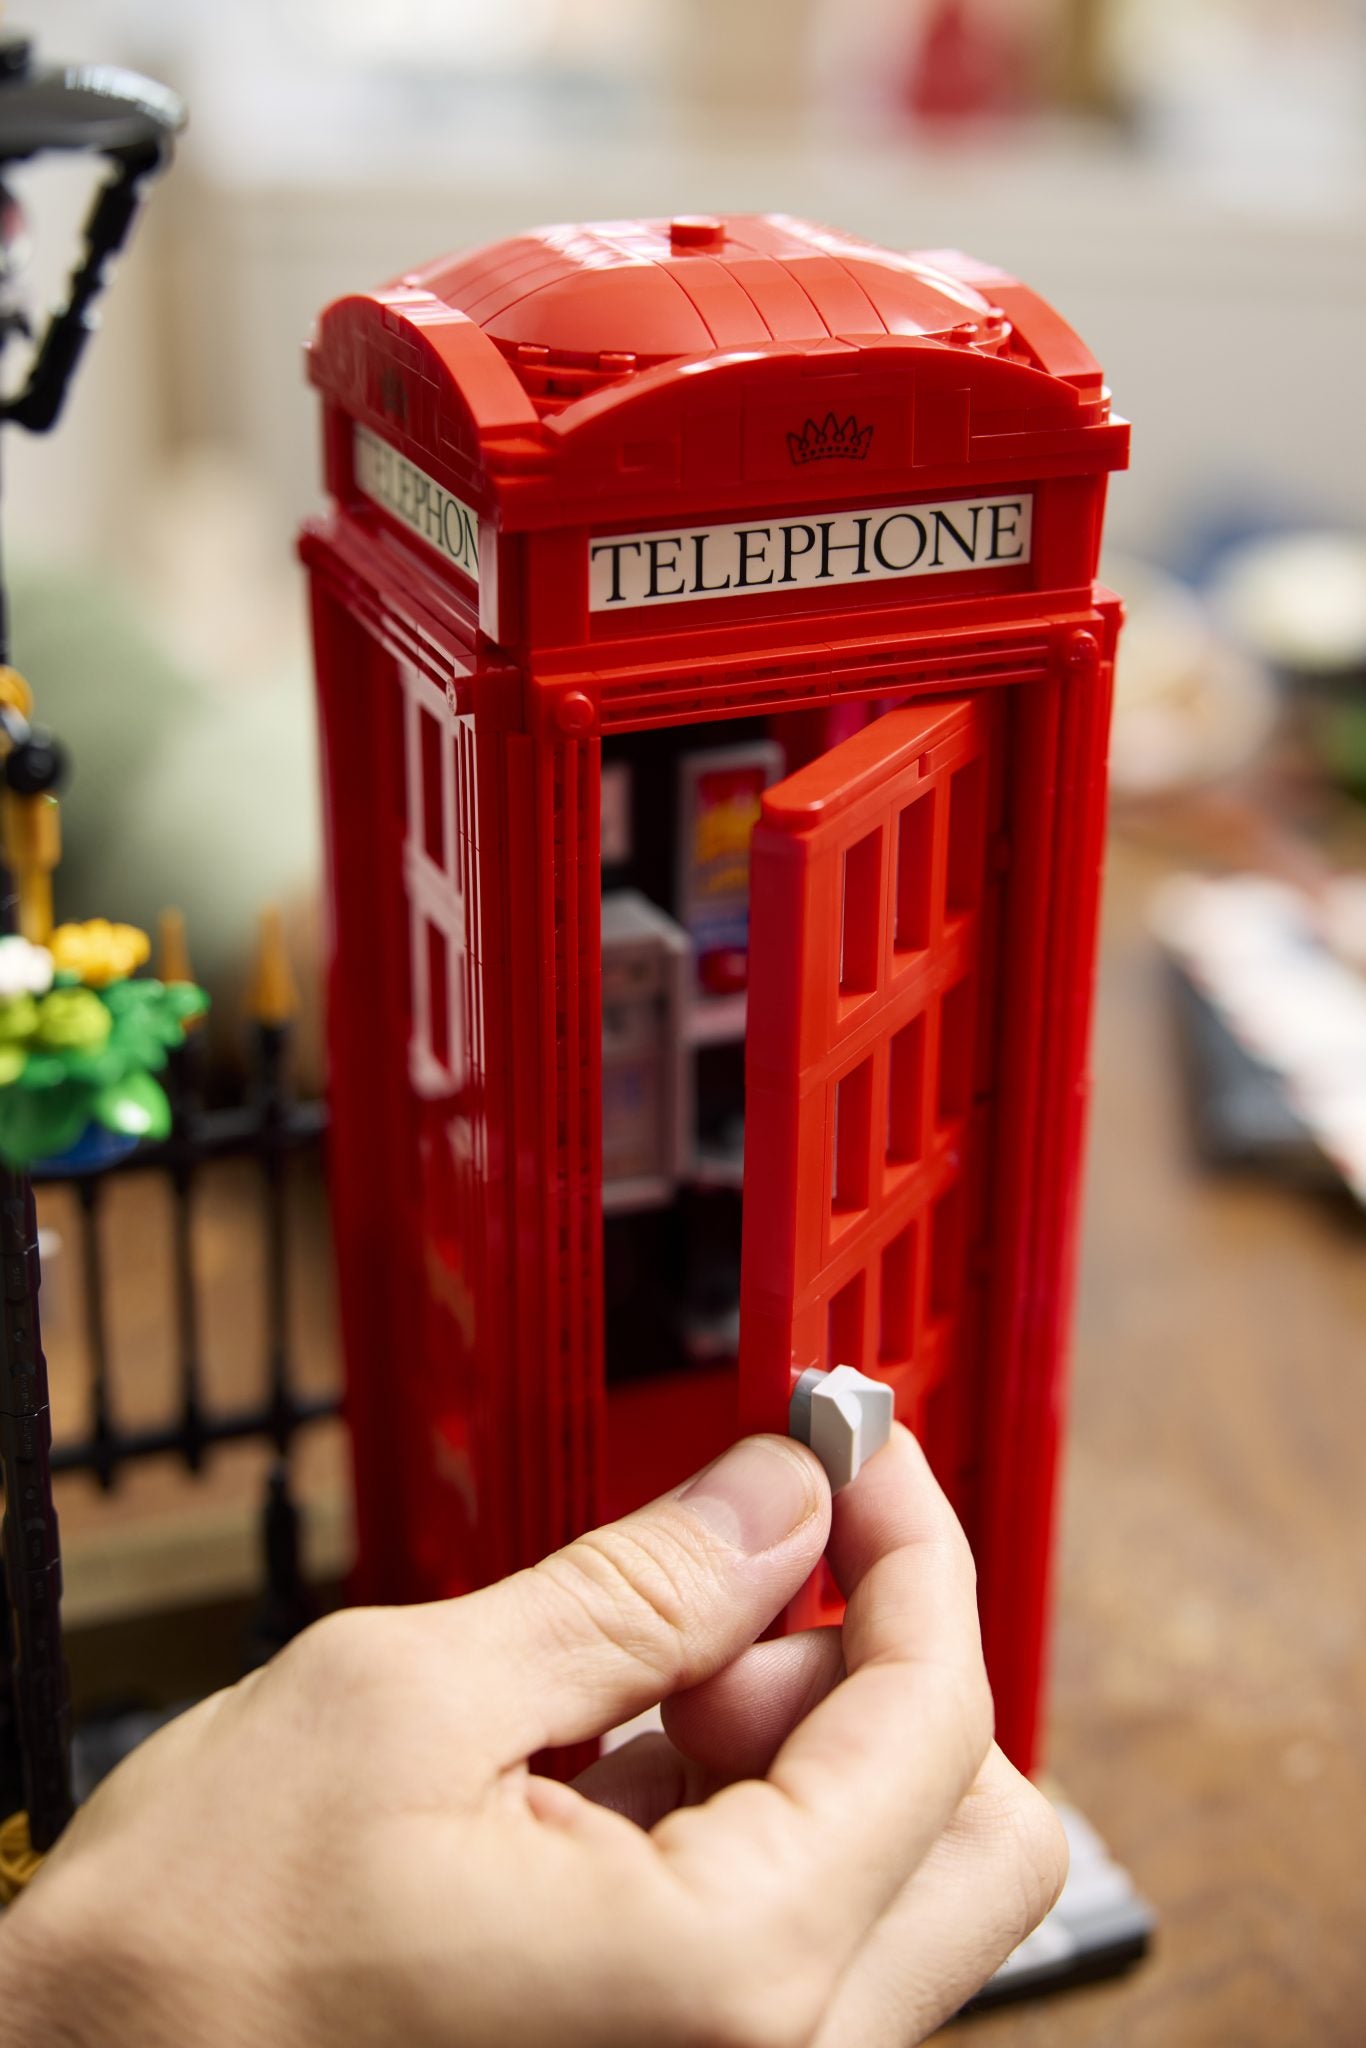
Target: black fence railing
<point>270,1129</point>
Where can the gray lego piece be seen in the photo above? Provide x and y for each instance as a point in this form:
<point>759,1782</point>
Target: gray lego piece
<point>844,1415</point>
<point>646,962</point>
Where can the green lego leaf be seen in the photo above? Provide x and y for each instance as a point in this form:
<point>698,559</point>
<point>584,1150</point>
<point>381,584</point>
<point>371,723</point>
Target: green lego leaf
<point>185,1000</point>
<point>131,994</point>
<point>135,1107</point>
<point>137,1044</point>
<point>97,1069</point>
<point>43,1071</point>
<point>35,1125</point>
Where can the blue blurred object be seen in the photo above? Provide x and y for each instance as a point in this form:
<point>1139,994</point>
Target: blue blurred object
<point>95,1148</point>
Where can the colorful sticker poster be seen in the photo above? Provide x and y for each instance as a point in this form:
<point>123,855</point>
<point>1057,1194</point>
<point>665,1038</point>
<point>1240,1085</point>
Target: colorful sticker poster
<point>721,795</point>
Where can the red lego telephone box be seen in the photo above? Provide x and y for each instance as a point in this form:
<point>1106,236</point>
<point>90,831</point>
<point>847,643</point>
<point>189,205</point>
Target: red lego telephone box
<point>714,693</point>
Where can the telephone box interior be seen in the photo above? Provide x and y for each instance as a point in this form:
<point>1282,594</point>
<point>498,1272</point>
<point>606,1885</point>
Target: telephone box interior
<point>711,946</point>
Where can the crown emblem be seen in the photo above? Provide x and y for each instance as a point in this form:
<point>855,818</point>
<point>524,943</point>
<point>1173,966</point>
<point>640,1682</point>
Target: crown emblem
<point>829,441</point>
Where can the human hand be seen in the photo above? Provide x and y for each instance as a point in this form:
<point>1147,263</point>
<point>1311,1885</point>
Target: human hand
<point>348,1847</point>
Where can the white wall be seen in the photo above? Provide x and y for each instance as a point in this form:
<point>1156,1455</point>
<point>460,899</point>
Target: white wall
<point>1236,344</point>
<point>1233,335</point>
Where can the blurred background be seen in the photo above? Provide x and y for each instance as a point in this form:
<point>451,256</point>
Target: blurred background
<point>1185,180</point>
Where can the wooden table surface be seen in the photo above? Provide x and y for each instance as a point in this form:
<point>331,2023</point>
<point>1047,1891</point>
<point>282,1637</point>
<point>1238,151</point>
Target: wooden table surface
<point>1209,1701</point>
<point>1209,1695</point>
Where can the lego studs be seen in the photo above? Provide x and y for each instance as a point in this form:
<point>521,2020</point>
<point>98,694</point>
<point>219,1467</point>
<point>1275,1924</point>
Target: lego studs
<point>844,1415</point>
<point>1082,653</point>
<point>696,233</point>
<point>575,713</point>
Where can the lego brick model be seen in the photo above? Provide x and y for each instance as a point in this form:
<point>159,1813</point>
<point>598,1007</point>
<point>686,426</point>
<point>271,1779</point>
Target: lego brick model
<point>748,569</point>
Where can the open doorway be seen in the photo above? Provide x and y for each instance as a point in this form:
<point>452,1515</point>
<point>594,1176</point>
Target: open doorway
<point>891,1145</point>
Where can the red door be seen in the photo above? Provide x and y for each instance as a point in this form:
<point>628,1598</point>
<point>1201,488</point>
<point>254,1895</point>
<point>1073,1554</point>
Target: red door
<point>869,1069</point>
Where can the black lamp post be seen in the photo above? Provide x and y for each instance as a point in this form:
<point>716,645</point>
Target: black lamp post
<point>131,123</point>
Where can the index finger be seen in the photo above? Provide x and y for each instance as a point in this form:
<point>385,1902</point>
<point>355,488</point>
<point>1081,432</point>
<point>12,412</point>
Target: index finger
<point>867,1782</point>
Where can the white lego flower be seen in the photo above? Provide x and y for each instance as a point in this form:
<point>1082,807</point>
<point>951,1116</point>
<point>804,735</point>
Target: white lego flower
<point>25,969</point>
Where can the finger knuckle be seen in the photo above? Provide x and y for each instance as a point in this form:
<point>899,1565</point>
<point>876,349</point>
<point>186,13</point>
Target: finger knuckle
<point>1032,1839</point>
<point>1041,1851</point>
<point>347,1654</point>
<point>615,1588</point>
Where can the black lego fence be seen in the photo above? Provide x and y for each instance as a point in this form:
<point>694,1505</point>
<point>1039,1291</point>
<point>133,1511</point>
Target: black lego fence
<point>267,1128</point>
<point>270,1128</point>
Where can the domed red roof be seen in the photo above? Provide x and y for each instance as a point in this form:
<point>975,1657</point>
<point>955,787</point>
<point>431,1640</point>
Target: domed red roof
<point>575,307</point>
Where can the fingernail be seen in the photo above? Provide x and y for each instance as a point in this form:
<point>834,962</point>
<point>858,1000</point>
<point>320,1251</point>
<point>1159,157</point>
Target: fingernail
<point>754,1496</point>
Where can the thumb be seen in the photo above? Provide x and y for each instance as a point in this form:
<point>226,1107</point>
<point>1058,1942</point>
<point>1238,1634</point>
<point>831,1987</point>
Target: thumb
<point>630,1613</point>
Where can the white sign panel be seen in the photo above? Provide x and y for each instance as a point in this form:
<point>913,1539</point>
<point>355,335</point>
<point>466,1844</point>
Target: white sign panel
<point>674,564</point>
<point>426,507</point>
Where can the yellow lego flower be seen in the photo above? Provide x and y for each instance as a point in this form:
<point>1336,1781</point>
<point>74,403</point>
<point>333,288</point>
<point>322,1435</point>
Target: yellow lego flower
<point>99,952</point>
